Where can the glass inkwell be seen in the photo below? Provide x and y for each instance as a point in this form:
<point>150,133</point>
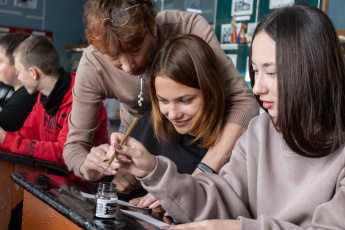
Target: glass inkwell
<point>105,200</point>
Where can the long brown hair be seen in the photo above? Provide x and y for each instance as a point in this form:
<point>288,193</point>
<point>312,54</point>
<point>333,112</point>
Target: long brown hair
<point>311,79</point>
<point>189,60</point>
<point>119,39</point>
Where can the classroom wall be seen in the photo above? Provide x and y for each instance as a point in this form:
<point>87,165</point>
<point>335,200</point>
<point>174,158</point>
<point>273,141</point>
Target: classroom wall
<point>260,8</point>
<point>62,17</point>
<point>241,50</point>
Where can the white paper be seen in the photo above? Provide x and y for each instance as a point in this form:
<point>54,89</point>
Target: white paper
<point>121,202</point>
<point>145,218</point>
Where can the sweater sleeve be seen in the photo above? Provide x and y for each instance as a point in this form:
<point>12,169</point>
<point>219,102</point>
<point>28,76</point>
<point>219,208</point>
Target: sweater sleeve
<point>329,215</point>
<point>206,196</point>
<point>26,141</point>
<point>240,102</point>
<point>101,134</point>
<point>83,119</point>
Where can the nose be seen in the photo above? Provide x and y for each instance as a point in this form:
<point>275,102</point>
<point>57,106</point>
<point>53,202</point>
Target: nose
<point>127,63</point>
<point>259,86</point>
<point>172,112</point>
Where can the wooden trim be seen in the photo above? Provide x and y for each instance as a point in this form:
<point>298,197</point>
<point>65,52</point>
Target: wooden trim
<point>40,216</point>
<point>325,6</point>
<point>341,32</point>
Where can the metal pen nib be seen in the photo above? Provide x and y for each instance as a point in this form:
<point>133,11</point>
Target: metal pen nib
<point>105,168</point>
<point>131,127</point>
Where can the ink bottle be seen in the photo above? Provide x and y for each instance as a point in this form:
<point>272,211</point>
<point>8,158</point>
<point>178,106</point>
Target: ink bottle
<point>105,200</point>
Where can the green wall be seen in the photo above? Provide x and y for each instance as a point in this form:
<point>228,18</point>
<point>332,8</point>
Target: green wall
<point>260,7</point>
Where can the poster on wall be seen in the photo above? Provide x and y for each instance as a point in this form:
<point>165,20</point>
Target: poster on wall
<point>280,3</point>
<point>192,4</point>
<point>241,7</point>
<point>250,30</point>
<point>225,33</point>
<point>3,2</point>
<point>32,4</point>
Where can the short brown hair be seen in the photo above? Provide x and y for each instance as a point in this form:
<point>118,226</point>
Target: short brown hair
<point>189,60</point>
<point>40,52</point>
<point>119,39</point>
<point>10,42</point>
<point>311,79</point>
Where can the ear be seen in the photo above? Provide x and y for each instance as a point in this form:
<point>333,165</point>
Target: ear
<point>35,73</point>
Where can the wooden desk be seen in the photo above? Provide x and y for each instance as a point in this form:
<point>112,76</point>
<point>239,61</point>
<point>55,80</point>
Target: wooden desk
<point>54,202</point>
<point>10,193</point>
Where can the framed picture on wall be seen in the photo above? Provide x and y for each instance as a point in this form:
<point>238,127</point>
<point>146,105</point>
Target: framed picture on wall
<point>242,7</point>
<point>233,58</point>
<point>280,3</point>
<point>250,30</point>
<point>192,4</point>
<point>226,30</point>
<point>26,3</point>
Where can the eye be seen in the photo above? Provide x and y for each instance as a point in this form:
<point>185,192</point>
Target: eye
<point>162,100</point>
<point>135,52</point>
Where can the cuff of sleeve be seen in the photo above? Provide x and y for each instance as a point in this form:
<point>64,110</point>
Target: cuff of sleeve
<point>156,174</point>
<point>240,118</point>
<point>8,141</point>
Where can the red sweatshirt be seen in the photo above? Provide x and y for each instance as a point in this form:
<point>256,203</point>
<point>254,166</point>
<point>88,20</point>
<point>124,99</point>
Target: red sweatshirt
<point>43,136</point>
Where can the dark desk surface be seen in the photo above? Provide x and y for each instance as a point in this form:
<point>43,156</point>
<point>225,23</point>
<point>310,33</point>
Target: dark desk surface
<point>32,161</point>
<point>63,195</point>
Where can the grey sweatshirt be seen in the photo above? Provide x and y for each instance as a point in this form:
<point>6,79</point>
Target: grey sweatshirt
<point>265,185</point>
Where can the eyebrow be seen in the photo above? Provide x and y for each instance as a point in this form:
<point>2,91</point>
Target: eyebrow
<point>182,97</point>
<point>267,64</point>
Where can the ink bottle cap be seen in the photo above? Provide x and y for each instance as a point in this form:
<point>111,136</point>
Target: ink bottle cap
<point>106,200</point>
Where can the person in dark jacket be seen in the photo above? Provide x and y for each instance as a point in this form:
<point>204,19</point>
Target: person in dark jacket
<point>17,106</point>
<point>6,93</point>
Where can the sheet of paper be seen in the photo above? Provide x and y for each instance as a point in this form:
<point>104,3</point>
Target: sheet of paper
<point>145,218</point>
<point>121,202</point>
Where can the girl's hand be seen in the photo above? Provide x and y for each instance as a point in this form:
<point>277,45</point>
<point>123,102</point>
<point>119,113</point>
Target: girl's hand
<point>132,156</point>
<point>148,201</point>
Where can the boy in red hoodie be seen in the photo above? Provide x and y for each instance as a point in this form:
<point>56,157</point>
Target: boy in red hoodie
<point>45,130</point>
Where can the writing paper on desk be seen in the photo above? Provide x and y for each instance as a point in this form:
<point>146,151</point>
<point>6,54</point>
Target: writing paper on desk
<point>145,218</point>
<point>120,202</point>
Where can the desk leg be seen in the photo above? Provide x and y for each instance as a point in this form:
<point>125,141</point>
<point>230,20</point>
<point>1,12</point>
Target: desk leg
<point>11,194</point>
<point>40,216</point>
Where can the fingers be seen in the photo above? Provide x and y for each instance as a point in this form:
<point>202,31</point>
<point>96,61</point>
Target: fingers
<point>155,204</point>
<point>146,201</point>
<point>116,137</point>
<point>125,182</point>
<point>166,214</point>
<point>135,201</point>
<point>159,209</point>
<point>95,162</point>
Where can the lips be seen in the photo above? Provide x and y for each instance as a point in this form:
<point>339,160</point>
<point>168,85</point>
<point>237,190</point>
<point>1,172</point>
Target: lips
<point>180,123</point>
<point>267,104</point>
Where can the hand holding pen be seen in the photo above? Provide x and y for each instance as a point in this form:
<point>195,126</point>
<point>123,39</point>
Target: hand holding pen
<point>130,129</point>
